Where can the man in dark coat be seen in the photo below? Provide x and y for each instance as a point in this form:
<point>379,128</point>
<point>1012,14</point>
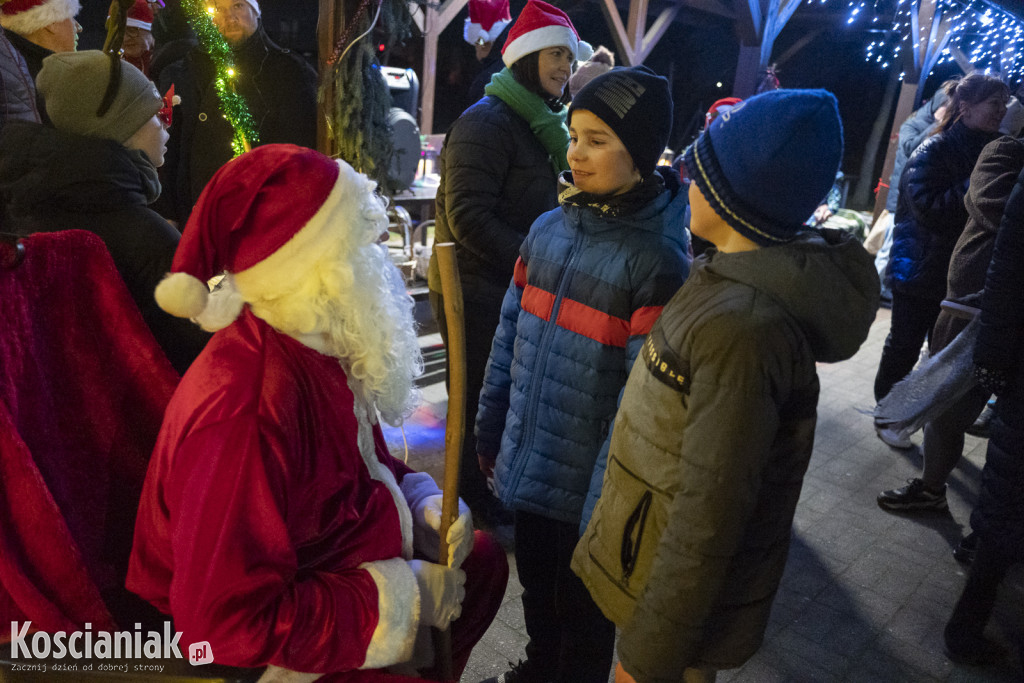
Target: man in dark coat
<point>998,518</point>
<point>279,89</point>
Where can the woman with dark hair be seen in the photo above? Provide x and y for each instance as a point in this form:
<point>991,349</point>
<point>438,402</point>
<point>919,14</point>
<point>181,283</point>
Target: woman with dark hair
<point>499,167</point>
<point>930,215</point>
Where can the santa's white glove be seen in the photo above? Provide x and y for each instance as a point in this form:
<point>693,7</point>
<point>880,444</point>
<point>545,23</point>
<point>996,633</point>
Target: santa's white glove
<point>428,540</point>
<point>441,592</point>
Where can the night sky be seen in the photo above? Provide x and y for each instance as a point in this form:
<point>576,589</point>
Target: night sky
<point>698,52</point>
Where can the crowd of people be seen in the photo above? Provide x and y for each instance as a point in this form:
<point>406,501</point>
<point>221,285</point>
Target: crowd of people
<point>641,343</point>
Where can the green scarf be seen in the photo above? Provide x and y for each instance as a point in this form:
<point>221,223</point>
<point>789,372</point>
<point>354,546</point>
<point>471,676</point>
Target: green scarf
<point>547,126</point>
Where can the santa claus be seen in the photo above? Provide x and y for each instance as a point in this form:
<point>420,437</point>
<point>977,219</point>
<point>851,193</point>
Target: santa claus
<point>274,525</point>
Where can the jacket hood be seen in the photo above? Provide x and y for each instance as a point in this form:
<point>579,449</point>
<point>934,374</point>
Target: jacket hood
<point>824,279</point>
<point>43,166</point>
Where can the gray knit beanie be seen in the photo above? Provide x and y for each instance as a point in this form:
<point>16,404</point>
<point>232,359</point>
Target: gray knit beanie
<point>73,85</point>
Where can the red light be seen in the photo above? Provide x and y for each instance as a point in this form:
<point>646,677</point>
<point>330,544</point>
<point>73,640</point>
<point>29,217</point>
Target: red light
<point>380,48</point>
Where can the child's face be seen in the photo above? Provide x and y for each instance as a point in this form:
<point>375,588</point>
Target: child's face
<point>554,66</point>
<point>599,161</point>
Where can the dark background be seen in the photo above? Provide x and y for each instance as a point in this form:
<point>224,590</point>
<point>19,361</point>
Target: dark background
<point>697,52</point>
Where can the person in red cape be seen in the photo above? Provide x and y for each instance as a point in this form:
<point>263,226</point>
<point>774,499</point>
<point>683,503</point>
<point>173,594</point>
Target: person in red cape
<point>274,524</point>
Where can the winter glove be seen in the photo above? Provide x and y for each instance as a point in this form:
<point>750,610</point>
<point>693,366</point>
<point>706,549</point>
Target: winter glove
<point>426,538</point>
<point>442,591</point>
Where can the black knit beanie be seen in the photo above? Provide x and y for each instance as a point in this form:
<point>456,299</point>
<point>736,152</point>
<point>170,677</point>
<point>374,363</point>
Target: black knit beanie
<point>636,104</point>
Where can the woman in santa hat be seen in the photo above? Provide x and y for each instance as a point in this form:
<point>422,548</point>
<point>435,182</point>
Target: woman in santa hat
<point>499,165</point>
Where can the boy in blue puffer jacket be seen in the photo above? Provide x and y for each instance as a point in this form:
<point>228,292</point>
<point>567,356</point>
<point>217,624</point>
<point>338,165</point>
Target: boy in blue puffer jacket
<point>591,279</point>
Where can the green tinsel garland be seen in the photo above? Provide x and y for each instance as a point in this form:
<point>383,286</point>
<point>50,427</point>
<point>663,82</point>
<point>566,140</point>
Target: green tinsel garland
<point>359,120</point>
<point>232,104</point>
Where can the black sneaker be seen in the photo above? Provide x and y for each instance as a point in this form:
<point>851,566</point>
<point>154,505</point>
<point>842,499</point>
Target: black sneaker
<point>520,672</point>
<point>966,549</point>
<point>913,496</point>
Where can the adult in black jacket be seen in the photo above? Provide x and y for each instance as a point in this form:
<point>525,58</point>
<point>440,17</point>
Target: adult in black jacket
<point>36,31</point>
<point>279,89</point>
<point>99,174</point>
<point>498,171</point>
<point>930,215</point>
<point>998,518</point>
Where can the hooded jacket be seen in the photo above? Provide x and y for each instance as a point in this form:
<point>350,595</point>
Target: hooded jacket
<point>52,180</point>
<point>688,541</point>
<point>586,290</point>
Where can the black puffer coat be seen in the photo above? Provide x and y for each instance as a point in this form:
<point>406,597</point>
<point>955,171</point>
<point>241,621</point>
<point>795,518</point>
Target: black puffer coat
<point>54,181</point>
<point>999,515</point>
<point>17,91</point>
<point>33,55</point>
<point>930,214</point>
<point>496,179</point>
<point>279,89</point>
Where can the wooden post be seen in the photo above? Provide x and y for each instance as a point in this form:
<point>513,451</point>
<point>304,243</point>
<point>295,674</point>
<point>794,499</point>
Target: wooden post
<point>434,22</point>
<point>633,42</point>
<point>455,425</point>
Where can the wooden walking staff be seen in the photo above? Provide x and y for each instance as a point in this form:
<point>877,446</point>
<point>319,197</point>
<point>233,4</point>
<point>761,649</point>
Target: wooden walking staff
<point>455,427</point>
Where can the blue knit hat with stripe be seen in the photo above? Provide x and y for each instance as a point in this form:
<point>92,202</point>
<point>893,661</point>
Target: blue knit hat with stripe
<point>768,163</point>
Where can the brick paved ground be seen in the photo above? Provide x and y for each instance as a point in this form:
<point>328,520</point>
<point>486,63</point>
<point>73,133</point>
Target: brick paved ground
<point>865,594</point>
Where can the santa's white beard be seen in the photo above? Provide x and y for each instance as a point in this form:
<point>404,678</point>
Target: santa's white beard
<point>354,303</point>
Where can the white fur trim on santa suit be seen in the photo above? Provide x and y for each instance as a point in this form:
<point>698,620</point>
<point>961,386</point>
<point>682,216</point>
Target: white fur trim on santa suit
<point>366,417</point>
<point>548,36</point>
<point>398,613</point>
<point>138,23</point>
<point>473,33</point>
<point>36,15</point>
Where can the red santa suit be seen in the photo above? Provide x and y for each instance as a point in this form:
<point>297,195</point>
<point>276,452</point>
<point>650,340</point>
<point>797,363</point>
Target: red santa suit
<point>274,524</point>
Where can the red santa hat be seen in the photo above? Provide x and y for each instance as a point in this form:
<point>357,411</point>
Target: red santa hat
<point>28,16</point>
<point>140,16</point>
<point>265,214</point>
<point>487,19</point>
<point>539,26</point>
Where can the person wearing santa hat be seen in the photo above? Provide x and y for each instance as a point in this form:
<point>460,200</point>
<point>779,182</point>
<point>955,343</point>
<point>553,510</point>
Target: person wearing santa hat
<point>37,29</point>
<point>278,86</point>
<point>274,524</point>
<point>137,48</point>
<point>486,27</point>
<point>498,171</point>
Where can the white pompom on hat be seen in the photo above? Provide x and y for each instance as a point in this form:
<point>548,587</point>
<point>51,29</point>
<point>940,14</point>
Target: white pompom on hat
<point>540,26</point>
<point>486,20</point>
<point>25,17</point>
<point>266,212</point>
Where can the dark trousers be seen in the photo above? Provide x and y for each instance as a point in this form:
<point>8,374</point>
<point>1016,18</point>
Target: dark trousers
<point>571,641</point>
<point>976,603</point>
<point>480,320</point>
<point>911,323</point>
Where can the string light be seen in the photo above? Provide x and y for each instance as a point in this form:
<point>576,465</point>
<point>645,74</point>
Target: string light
<point>991,37</point>
<point>232,104</point>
